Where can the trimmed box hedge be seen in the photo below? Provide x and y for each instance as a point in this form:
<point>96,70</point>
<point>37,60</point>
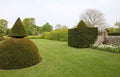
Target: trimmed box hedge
<point>114,34</point>
<point>82,37</point>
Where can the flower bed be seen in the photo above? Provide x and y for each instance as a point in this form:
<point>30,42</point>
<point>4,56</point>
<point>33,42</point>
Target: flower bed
<point>109,48</point>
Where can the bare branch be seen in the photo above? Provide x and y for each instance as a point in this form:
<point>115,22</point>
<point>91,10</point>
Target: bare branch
<point>93,17</point>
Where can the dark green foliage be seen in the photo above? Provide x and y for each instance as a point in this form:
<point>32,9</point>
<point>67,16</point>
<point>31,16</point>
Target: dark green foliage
<point>18,30</point>
<point>81,24</point>
<point>18,53</point>
<point>114,34</point>
<point>82,36</point>
<point>47,27</point>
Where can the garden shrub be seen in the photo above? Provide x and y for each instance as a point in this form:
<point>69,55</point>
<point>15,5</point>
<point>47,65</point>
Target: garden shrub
<point>54,35</point>
<point>59,35</point>
<point>44,35</point>
<point>18,52</point>
<point>114,34</point>
<point>82,36</point>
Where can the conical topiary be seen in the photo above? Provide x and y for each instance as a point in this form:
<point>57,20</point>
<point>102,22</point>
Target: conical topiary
<point>18,30</point>
<point>81,24</point>
<point>18,52</point>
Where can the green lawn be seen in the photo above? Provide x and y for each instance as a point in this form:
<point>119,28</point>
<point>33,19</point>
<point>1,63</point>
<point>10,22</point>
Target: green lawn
<point>59,60</point>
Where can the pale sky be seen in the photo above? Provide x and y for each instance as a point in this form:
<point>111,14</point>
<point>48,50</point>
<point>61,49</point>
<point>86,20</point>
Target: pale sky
<point>64,12</point>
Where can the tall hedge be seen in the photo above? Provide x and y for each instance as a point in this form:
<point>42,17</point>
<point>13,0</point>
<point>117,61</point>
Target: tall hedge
<point>82,36</point>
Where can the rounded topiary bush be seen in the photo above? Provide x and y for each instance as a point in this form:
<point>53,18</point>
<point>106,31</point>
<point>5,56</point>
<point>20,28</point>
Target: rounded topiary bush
<point>18,53</point>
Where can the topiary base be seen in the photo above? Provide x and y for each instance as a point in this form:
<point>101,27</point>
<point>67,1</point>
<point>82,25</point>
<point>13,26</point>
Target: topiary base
<point>16,53</point>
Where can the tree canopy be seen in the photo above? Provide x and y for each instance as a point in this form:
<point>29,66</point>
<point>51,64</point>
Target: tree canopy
<point>3,26</point>
<point>93,17</point>
<point>30,25</point>
<point>47,27</point>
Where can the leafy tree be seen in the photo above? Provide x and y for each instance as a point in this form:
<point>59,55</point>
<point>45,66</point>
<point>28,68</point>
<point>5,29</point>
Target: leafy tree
<point>93,17</point>
<point>8,30</point>
<point>47,27</point>
<point>39,29</point>
<point>3,26</point>
<point>30,25</point>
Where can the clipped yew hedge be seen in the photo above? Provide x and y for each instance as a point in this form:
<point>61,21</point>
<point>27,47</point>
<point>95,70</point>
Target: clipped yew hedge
<point>82,36</point>
<point>114,34</point>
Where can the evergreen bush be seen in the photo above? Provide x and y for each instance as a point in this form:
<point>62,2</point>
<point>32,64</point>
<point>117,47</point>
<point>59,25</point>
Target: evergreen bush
<point>81,24</point>
<point>114,34</point>
<point>18,30</point>
<point>82,36</point>
<point>18,53</point>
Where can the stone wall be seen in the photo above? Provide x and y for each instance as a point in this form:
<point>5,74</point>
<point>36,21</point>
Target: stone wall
<point>103,38</point>
<point>113,40</point>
